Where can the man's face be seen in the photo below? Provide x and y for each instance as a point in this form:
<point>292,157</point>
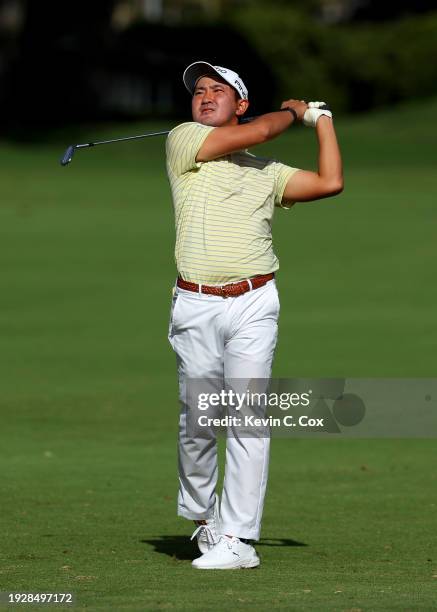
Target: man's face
<point>214,102</point>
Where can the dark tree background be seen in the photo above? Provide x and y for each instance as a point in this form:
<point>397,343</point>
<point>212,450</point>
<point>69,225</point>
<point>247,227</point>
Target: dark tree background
<point>60,47</point>
<point>67,63</point>
<point>376,10</point>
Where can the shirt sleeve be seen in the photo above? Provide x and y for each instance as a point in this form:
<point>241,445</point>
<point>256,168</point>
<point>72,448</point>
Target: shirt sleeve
<point>183,144</point>
<point>282,174</point>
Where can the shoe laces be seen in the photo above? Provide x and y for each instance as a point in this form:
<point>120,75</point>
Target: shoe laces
<point>230,542</point>
<point>207,531</point>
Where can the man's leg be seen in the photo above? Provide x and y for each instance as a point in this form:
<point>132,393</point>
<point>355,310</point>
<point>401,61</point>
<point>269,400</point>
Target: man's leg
<point>249,352</point>
<point>197,339</point>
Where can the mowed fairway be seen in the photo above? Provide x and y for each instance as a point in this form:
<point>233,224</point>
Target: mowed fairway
<point>88,382</point>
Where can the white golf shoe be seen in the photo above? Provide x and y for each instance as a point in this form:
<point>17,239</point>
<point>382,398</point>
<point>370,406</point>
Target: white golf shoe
<point>207,534</point>
<point>229,553</point>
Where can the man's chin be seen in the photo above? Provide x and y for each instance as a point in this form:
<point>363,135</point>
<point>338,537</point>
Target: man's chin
<point>211,121</point>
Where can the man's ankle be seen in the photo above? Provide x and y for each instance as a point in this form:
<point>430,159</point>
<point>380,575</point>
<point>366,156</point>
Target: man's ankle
<point>244,540</point>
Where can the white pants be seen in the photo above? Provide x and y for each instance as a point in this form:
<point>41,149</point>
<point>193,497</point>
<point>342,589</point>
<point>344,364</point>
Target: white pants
<point>223,338</point>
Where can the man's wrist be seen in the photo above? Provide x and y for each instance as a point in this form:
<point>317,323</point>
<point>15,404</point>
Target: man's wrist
<point>292,111</point>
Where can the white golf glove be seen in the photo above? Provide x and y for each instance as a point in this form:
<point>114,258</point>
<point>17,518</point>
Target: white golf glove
<point>314,111</point>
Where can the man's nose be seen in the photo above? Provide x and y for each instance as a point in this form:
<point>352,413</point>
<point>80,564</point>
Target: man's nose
<point>207,97</point>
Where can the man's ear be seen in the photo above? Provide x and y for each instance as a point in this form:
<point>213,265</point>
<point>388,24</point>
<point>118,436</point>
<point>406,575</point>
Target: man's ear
<point>242,107</point>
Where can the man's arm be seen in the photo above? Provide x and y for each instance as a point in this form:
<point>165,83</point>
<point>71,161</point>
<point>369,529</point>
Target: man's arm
<point>228,139</point>
<point>328,181</point>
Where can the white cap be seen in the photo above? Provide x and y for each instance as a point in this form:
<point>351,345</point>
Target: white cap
<point>199,69</point>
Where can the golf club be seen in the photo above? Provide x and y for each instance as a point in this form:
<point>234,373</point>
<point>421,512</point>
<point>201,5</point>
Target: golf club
<point>69,152</point>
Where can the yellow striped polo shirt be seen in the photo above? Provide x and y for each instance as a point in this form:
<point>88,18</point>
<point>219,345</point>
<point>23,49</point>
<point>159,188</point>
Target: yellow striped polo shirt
<point>223,209</point>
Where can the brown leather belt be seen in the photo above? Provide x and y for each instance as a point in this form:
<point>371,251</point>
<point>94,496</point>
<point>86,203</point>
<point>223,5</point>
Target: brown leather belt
<point>229,290</point>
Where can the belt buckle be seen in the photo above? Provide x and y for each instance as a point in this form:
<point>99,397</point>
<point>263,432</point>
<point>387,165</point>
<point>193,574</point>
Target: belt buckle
<point>223,291</point>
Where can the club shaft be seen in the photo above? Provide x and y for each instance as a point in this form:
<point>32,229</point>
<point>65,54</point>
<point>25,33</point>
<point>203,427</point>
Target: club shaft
<point>101,142</point>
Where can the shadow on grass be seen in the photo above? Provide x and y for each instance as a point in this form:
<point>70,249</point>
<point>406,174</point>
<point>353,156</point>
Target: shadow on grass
<point>182,548</point>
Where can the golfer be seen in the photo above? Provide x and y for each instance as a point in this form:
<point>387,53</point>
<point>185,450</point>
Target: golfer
<point>225,308</point>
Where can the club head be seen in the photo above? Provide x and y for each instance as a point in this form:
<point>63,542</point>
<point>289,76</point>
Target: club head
<point>68,155</point>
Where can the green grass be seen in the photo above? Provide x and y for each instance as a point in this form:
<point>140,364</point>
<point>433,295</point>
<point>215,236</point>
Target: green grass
<point>88,383</point>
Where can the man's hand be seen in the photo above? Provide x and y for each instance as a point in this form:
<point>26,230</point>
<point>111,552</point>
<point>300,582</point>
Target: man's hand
<point>299,107</point>
<point>314,112</point>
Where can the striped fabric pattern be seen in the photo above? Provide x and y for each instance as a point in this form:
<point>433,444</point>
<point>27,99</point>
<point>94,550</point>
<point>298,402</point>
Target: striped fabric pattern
<point>223,209</point>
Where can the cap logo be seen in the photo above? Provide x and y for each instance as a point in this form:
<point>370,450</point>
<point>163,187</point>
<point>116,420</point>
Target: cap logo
<point>240,87</point>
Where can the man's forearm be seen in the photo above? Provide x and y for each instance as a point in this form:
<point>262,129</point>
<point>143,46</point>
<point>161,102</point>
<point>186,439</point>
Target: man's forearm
<point>273,124</point>
<point>330,164</point>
